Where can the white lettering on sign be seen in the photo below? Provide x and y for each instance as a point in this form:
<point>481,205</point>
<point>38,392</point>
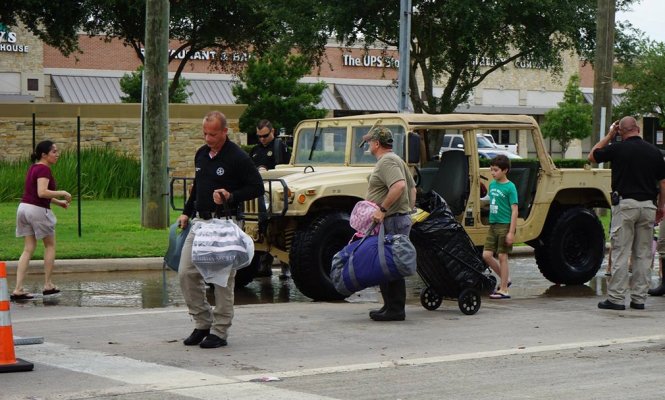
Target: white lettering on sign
<point>9,37</point>
<point>523,63</point>
<point>370,61</point>
<point>8,43</point>
<point>207,55</point>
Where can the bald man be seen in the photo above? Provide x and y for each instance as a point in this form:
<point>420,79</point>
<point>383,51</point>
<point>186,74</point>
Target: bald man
<point>638,184</point>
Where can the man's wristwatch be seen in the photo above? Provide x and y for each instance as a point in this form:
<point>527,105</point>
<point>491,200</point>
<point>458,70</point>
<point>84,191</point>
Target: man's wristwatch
<point>383,210</point>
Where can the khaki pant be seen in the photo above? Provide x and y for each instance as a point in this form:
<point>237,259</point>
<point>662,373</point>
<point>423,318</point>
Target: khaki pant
<point>631,236</point>
<point>193,288</point>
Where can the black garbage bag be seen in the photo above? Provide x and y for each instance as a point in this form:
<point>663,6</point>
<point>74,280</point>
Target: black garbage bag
<point>447,257</point>
<point>440,215</point>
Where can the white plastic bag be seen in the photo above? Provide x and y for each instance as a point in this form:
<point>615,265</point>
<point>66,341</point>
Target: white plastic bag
<point>219,247</point>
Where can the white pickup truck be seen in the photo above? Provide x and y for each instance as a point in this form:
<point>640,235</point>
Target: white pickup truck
<point>486,146</point>
<point>513,148</point>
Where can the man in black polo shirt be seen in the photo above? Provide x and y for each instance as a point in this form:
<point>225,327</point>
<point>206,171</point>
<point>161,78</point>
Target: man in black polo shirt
<point>638,179</point>
<point>222,168</point>
<point>270,151</point>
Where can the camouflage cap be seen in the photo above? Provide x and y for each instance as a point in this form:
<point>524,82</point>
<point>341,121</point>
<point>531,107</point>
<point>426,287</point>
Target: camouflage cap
<point>381,134</point>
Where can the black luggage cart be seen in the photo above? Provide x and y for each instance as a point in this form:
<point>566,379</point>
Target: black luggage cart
<point>447,259</point>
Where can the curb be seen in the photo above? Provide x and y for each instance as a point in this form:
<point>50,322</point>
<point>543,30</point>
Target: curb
<point>139,264</point>
<point>94,265</point>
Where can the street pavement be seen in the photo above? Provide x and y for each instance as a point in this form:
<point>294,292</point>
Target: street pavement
<point>537,347</point>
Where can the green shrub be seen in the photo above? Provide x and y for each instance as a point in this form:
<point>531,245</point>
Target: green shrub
<point>570,162</point>
<point>105,174</point>
<point>558,162</point>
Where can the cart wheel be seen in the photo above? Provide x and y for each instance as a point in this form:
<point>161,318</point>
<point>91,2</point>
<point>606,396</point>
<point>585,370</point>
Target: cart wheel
<point>469,301</point>
<point>430,299</point>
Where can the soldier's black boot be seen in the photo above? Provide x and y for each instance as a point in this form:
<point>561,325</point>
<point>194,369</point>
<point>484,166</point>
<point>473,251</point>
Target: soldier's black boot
<point>395,300</point>
<point>383,288</point>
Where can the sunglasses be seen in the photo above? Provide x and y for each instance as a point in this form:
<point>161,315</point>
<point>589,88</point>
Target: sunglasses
<point>263,136</point>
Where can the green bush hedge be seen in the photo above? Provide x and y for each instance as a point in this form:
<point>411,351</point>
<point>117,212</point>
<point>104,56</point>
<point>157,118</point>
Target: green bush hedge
<point>559,162</point>
<point>105,174</point>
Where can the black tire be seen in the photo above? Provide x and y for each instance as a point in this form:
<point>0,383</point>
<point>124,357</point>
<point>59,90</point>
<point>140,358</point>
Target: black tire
<point>314,246</point>
<point>572,247</point>
<point>429,299</point>
<point>469,301</point>
<point>246,275</point>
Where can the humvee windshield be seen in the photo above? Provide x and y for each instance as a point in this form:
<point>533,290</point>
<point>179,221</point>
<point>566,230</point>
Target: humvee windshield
<point>328,145</point>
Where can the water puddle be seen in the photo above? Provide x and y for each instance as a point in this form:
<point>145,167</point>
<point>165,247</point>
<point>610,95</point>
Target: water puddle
<point>157,288</point>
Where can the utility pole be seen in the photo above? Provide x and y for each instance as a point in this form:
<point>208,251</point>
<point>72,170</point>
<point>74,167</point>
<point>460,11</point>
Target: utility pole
<point>603,67</point>
<point>405,11</point>
<point>155,110</point>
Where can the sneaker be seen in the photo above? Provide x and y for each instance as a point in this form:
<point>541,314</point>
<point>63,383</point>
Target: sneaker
<point>212,341</point>
<point>637,306</point>
<point>196,337</point>
<point>608,305</point>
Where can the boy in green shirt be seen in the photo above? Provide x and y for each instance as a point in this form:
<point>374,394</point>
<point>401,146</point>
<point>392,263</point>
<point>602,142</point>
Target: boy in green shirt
<point>503,222</point>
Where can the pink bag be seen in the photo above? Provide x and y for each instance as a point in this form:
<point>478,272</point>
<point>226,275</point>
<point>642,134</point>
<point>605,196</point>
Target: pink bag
<point>361,217</point>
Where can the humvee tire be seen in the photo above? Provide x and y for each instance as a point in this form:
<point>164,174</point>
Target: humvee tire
<point>572,247</point>
<point>314,245</point>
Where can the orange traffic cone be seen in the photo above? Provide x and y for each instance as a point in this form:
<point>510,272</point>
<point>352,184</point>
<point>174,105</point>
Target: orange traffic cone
<point>8,361</point>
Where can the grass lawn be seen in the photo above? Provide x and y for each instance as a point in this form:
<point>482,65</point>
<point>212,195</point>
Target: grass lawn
<point>109,229</point>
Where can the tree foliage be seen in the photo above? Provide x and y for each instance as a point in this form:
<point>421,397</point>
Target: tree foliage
<point>572,119</point>
<point>195,25</point>
<point>56,23</point>
<point>270,87</point>
<point>450,37</point>
<point>645,79</point>
<point>132,84</point>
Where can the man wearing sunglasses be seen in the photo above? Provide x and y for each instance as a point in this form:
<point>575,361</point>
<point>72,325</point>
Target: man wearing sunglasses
<point>270,151</point>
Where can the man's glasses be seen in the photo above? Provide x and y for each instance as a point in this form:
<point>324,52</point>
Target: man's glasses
<point>263,136</point>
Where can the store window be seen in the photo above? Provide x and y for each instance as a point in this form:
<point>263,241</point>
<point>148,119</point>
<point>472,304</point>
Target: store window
<point>33,84</point>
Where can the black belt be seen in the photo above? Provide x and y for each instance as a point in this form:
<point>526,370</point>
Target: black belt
<point>204,214</point>
<point>398,215</point>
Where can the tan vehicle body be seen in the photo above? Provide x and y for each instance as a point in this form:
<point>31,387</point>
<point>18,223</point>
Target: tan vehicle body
<point>328,173</point>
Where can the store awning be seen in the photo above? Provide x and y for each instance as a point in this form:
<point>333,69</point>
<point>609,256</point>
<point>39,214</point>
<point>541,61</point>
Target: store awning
<point>210,92</point>
<point>616,98</point>
<point>369,97</point>
<point>104,90</point>
<point>87,89</point>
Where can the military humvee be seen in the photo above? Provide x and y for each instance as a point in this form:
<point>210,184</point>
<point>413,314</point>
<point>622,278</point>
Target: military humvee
<point>303,220</point>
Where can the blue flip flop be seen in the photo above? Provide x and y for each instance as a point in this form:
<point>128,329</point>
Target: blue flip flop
<point>499,296</point>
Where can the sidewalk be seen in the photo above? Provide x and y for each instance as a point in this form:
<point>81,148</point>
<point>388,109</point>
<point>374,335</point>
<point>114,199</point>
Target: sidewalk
<point>141,263</point>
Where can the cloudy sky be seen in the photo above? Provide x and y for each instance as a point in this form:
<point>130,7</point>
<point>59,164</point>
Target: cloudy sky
<point>645,17</point>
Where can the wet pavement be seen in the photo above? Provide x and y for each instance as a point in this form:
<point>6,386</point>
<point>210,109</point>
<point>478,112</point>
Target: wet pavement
<point>160,288</point>
<point>118,335</point>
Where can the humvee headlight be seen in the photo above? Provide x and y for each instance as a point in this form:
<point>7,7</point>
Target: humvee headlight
<point>302,198</point>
